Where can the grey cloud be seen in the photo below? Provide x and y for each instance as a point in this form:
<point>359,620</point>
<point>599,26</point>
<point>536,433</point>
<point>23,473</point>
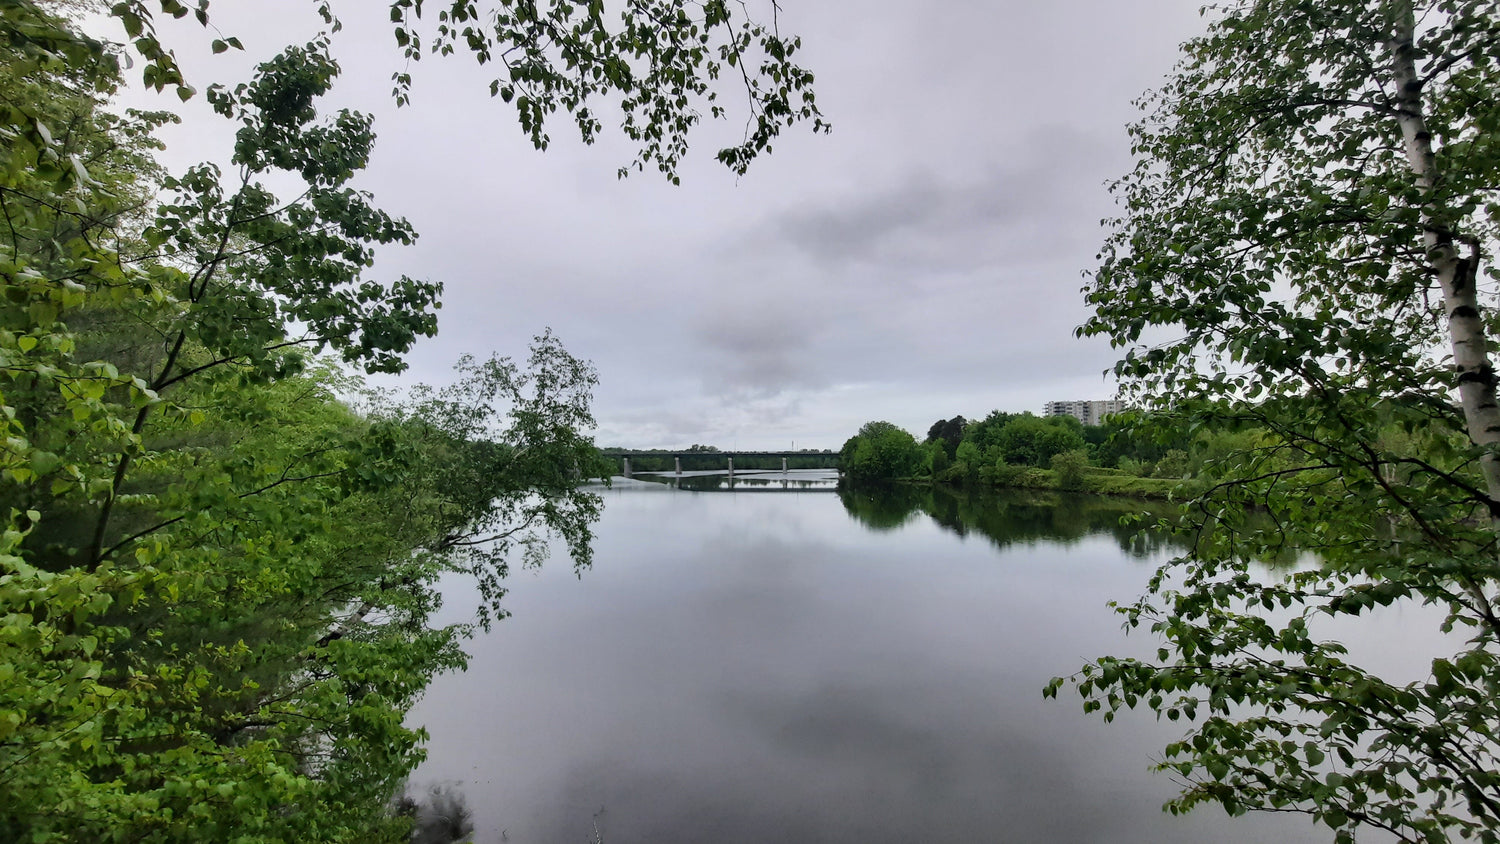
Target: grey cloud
<point>761,349</point>
<point>945,221</point>
<point>925,253</point>
<point>667,424</point>
<point>690,416</point>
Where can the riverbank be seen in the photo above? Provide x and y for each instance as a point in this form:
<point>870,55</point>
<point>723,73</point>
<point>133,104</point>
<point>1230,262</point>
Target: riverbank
<point>1092,480</point>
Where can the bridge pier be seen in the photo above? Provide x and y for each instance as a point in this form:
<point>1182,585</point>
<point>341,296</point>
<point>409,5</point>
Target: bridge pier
<point>731,467</point>
<point>626,470</point>
<point>783,465</point>
<point>678,461</point>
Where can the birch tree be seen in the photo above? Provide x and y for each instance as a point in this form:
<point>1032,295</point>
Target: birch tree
<point>1305,248</point>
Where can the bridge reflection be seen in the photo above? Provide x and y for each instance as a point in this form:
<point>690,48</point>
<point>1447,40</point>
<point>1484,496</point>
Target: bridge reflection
<point>796,480</point>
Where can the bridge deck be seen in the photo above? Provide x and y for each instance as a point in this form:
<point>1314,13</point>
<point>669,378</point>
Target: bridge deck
<point>627,453</point>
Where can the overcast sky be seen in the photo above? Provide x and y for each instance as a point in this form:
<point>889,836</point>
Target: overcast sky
<point>923,260</point>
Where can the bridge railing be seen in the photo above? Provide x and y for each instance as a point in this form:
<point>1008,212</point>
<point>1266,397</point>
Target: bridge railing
<point>700,461</point>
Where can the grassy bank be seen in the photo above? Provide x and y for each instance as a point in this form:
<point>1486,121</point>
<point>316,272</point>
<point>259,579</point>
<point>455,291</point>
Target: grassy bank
<point>1093,479</point>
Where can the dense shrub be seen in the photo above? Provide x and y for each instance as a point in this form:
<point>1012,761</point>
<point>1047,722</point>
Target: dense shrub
<point>1069,467</point>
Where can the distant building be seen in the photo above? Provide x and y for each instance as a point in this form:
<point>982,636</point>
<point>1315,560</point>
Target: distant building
<point>1087,412</point>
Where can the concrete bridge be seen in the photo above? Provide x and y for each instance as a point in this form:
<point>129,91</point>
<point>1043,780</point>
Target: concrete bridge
<point>723,459</point>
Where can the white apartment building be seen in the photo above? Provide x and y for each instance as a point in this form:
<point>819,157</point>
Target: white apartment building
<point>1087,412</point>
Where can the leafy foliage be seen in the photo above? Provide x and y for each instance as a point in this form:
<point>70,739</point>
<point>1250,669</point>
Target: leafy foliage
<point>881,451</point>
<point>1313,211</point>
<point>1030,440</point>
<point>1069,467</point>
<point>659,67</point>
<point>215,577</point>
<point>504,446</point>
<point>950,432</point>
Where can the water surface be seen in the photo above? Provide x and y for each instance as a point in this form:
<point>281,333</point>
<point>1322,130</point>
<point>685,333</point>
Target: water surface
<point>809,667</point>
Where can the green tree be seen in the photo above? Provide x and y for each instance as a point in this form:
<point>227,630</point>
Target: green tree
<point>950,432</point>
<point>1070,467</point>
<point>659,64</point>
<point>968,458</point>
<point>1130,436</point>
<point>1313,212</point>
<point>935,459</point>
<point>504,450</point>
<point>216,578</point>
<point>983,433</point>
<point>1133,436</point>
<point>881,451</point>
<point>1032,441</point>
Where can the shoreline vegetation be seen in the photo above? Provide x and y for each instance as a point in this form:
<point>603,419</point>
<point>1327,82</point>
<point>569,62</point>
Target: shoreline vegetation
<point>1095,480</point>
<point>1129,454</point>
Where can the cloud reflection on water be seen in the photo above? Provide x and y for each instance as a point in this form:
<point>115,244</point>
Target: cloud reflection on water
<point>750,668</point>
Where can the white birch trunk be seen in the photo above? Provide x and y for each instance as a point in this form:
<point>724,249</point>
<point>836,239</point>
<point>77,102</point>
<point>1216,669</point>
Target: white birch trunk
<point>1456,276</point>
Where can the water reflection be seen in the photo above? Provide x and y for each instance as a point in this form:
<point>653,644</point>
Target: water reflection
<point>795,480</point>
<point>1004,517</point>
<point>1009,517</point>
<point>441,816</point>
<point>807,667</point>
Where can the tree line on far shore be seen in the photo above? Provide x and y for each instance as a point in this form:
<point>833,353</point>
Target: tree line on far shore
<point>1129,453</point>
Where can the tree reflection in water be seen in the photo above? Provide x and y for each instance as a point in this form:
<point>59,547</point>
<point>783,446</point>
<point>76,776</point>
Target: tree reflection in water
<point>441,817</point>
<point>1010,517</point>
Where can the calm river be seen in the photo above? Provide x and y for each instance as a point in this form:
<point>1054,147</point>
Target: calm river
<point>778,663</point>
